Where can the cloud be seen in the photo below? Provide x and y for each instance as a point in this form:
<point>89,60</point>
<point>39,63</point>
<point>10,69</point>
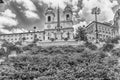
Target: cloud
<point>55,3</point>
<point>5,31</point>
<point>30,8</point>
<point>8,13</point>
<point>7,19</point>
<point>15,30</point>
<point>28,4</point>
<point>31,14</point>
<point>106,6</point>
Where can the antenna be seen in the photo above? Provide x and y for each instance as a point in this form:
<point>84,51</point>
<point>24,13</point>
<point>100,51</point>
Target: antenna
<point>67,2</point>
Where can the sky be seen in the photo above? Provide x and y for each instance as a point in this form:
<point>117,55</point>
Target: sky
<point>18,16</point>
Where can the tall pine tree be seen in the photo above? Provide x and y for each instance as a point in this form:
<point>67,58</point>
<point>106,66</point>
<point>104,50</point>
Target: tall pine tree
<point>81,34</point>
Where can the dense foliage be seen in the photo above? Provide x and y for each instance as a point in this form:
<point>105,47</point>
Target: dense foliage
<point>81,34</point>
<point>83,62</point>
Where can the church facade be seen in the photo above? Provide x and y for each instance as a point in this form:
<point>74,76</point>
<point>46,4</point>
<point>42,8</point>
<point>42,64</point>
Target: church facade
<point>58,27</point>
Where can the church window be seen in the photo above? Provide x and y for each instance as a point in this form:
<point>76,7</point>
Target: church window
<point>49,18</point>
<point>67,16</point>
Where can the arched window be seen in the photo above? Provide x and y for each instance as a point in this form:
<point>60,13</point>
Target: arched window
<point>67,16</point>
<point>49,18</point>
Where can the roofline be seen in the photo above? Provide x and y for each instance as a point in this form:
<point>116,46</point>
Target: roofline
<point>56,29</point>
<point>22,33</point>
<point>63,21</point>
<point>36,32</point>
<point>89,24</point>
<point>99,23</point>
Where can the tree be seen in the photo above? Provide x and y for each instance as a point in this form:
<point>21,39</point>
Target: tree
<point>90,46</point>
<point>81,34</point>
<point>108,47</point>
<point>2,52</point>
<point>18,43</point>
<point>113,40</point>
<point>66,39</point>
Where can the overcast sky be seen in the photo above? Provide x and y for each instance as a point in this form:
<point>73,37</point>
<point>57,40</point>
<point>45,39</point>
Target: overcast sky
<point>22,15</point>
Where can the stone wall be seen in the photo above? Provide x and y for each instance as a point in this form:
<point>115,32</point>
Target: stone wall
<point>58,43</point>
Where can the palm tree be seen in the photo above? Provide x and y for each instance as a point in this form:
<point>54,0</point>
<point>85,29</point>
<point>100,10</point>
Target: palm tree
<point>96,11</point>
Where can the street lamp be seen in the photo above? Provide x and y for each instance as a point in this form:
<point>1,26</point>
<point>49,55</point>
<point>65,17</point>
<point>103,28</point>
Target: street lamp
<point>96,11</point>
<point>34,33</point>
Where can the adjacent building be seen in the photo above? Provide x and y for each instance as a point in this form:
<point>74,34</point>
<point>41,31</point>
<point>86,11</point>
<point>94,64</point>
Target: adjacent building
<point>104,30</point>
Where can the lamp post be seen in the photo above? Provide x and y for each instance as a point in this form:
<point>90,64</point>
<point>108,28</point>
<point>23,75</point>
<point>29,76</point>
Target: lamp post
<point>96,11</point>
<point>34,33</point>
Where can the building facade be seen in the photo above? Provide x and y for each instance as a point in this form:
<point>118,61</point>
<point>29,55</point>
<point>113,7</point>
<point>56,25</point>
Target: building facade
<point>104,31</point>
<point>58,27</point>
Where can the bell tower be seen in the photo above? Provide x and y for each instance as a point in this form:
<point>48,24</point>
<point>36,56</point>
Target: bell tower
<point>68,13</point>
<point>68,16</point>
<point>49,15</point>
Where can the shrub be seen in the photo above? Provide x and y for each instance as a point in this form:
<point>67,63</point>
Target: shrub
<point>35,50</point>
<point>66,39</point>
<point>2,52</point>
<point>116,52</point>
<point>113,40</point>
<point>108,47</point>
<point>26,48</point>
<point>90,46</point>
<point>52,39</point>
<point>79,49</point>
<point>88,65</point>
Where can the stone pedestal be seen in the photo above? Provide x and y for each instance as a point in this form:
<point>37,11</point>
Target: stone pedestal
<point>59,36</point>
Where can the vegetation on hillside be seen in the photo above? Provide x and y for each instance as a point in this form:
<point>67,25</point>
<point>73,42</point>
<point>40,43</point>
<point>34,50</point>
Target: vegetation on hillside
<point>83,62</point>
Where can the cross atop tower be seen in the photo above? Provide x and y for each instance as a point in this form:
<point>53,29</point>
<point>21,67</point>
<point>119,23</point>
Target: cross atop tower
<point>49,3</point>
